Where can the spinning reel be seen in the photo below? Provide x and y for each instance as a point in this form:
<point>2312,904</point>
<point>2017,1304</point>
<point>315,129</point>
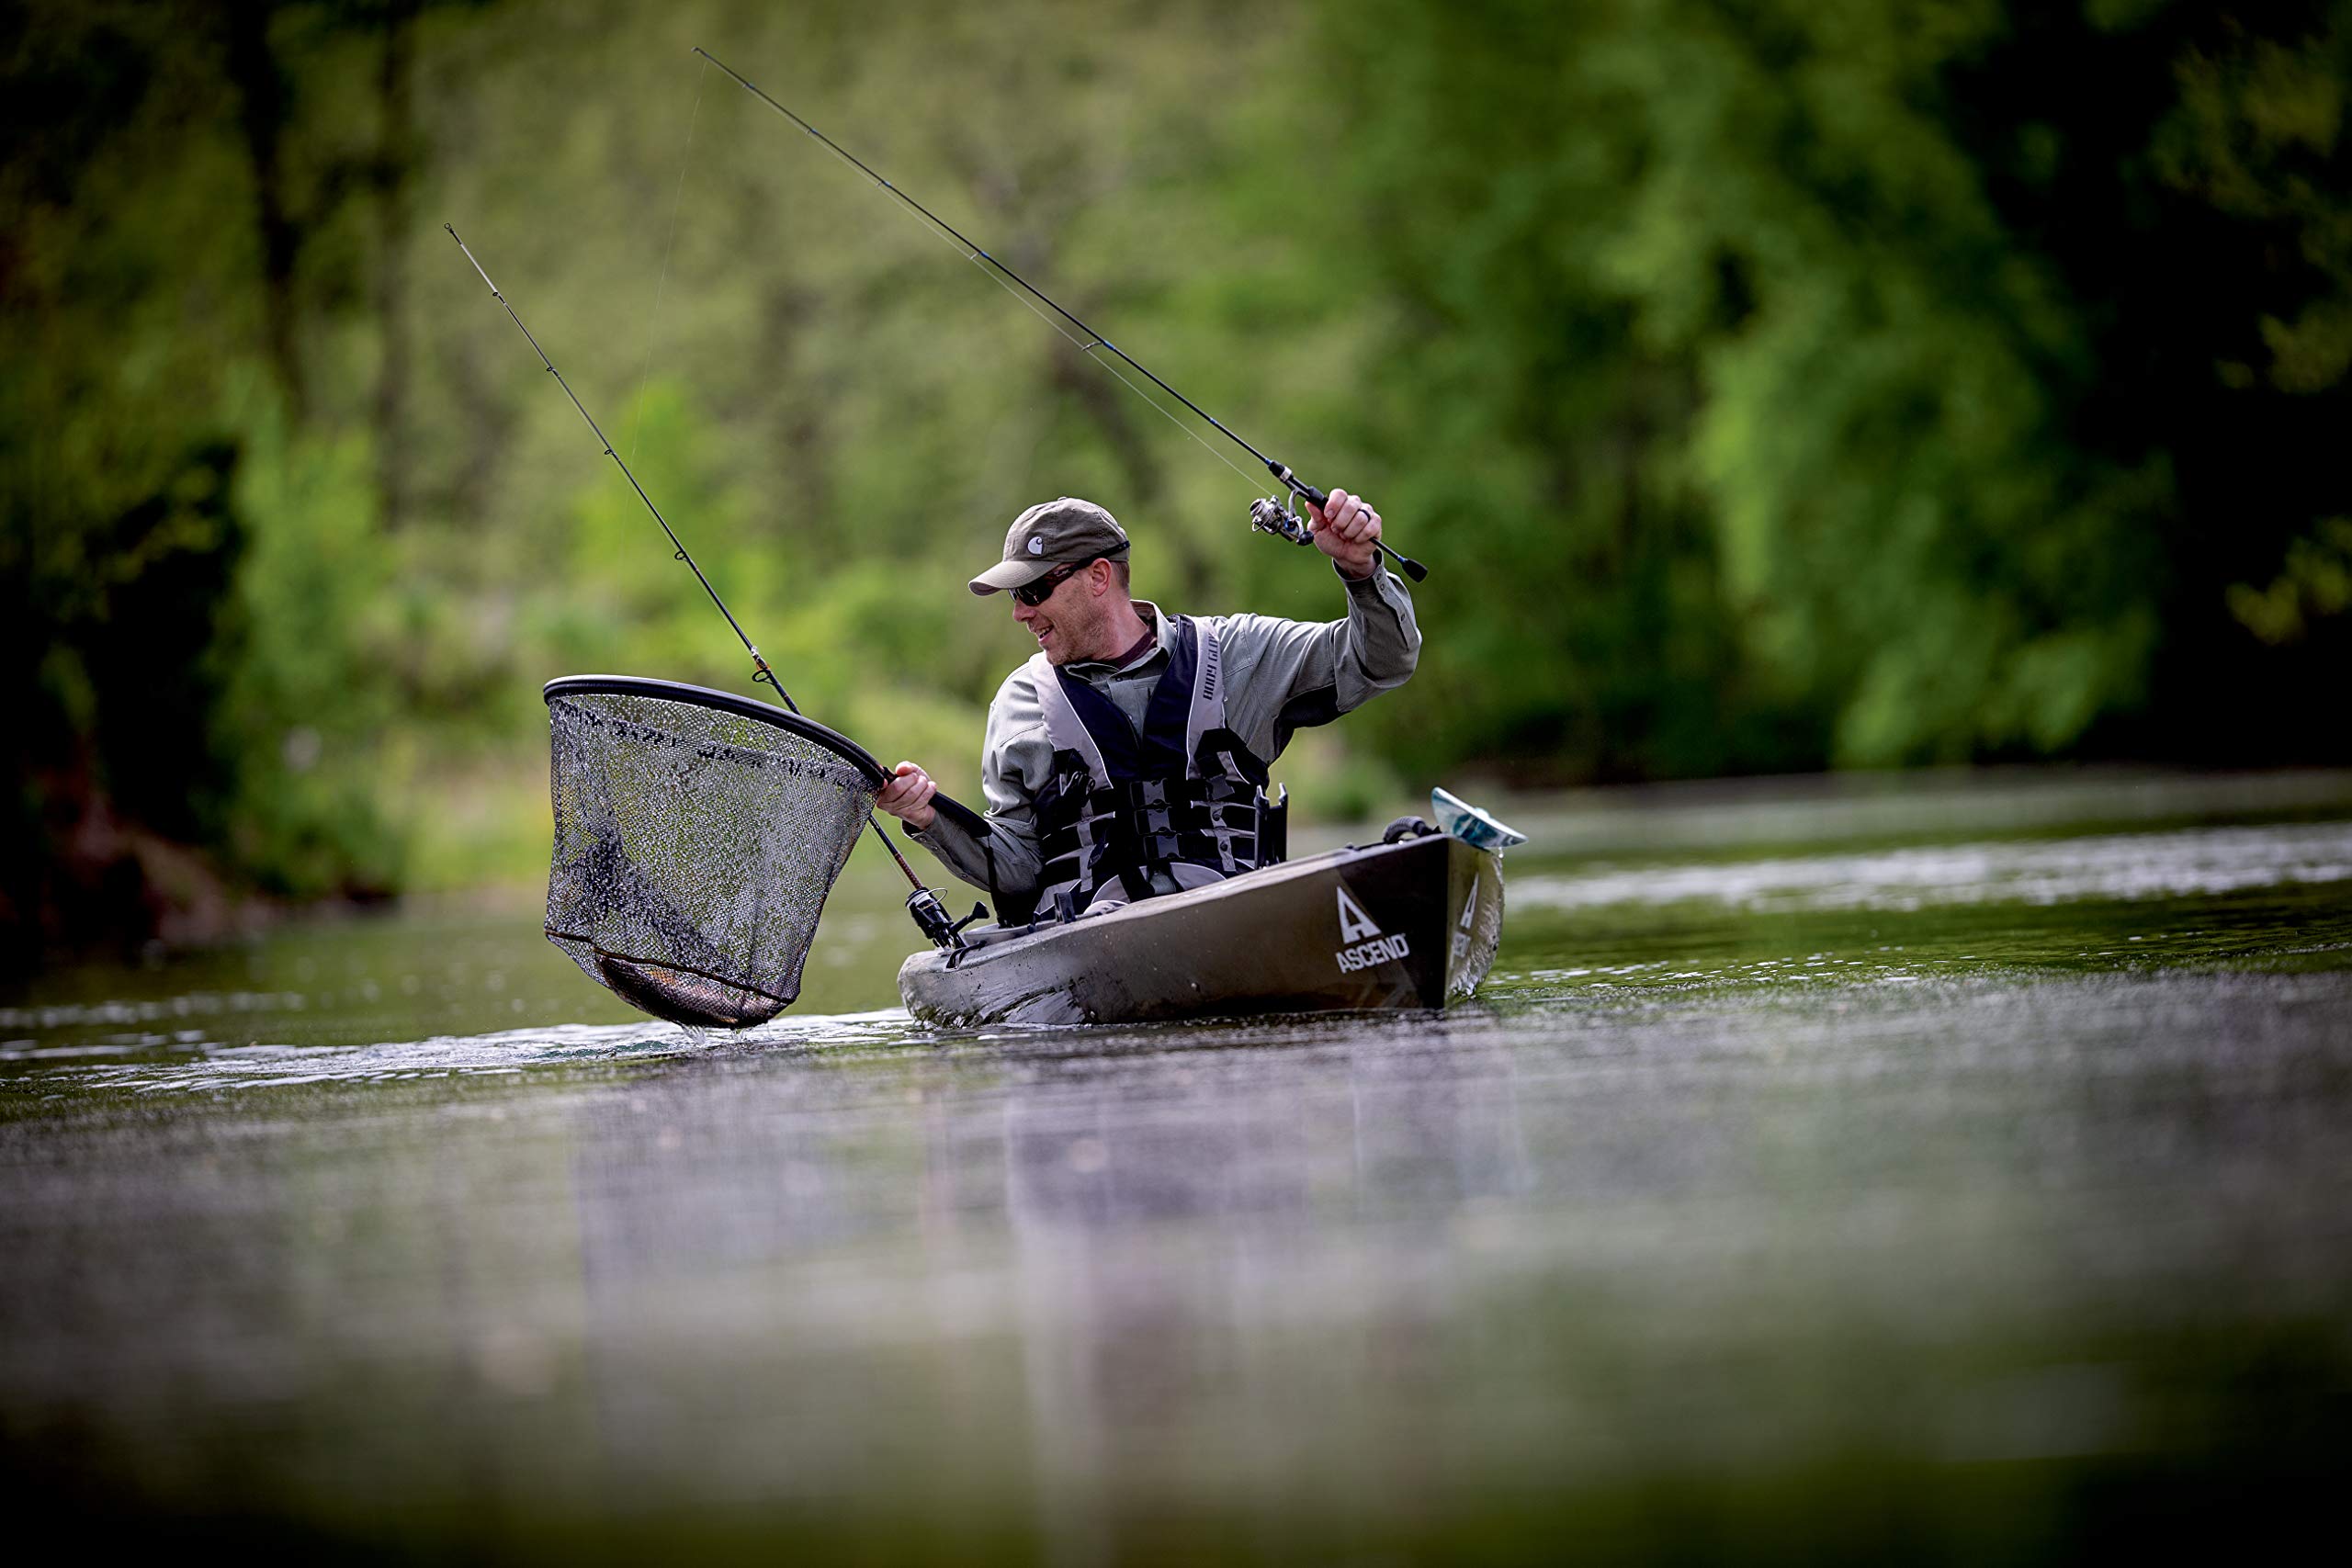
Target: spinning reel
<point>1273,515</point>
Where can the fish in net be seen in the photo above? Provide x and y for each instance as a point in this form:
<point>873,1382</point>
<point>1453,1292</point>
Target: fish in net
<point>696,835</point>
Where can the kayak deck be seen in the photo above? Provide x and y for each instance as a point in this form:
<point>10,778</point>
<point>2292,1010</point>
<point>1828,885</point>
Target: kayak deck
<point>1412,924</point>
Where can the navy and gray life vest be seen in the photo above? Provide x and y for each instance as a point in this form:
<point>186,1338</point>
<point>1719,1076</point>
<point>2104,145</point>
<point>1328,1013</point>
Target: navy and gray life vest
<point>1183,802</point>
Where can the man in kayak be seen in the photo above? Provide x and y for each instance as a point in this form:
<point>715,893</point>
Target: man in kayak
<point>1129,756</point>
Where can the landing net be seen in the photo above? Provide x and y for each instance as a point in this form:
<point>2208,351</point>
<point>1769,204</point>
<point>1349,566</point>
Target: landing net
<point>697,834</point>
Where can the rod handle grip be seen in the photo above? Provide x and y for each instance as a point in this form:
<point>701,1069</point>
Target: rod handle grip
<point>1305,492</point>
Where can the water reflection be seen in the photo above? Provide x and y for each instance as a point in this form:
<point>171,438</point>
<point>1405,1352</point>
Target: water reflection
<point>1172,1231</point>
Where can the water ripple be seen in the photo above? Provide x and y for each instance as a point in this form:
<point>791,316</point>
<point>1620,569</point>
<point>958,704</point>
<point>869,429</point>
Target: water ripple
<point>2200,861</point>
<point>213,1067</point>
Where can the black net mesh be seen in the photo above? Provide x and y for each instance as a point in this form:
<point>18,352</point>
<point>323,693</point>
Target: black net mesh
<point>695,842</point>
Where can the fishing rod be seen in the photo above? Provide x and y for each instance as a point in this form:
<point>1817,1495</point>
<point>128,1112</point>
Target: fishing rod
<point>923,903</point>
<point>1270,515</point>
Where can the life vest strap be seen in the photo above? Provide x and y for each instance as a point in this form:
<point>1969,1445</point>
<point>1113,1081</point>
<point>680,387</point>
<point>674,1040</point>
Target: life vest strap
<point>1147,825</point>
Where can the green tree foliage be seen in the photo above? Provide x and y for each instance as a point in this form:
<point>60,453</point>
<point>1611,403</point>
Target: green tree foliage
<point>1771,385</point>
<point>162,199</point>
<point>1987,344</point>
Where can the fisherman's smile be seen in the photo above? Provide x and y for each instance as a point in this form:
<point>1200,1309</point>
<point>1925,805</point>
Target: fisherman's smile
<point>1029,609</point>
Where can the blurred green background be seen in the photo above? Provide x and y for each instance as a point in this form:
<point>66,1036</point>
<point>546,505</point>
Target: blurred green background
<point>1770,385</point>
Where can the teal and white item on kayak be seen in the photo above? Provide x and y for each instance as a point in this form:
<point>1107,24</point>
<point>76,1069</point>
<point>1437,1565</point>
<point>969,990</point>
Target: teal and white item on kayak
<point>1470,825</point>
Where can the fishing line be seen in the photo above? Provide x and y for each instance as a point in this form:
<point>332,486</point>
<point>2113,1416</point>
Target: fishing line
<point>652,328</point>
<point>1088,349</point>
<point>923,903</point>
<point>1265,514</point>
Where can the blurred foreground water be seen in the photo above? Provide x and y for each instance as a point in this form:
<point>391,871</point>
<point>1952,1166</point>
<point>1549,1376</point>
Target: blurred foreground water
<point>1830,1169</point>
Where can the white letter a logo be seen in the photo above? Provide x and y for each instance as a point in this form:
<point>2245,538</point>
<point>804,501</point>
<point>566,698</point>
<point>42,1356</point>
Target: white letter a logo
<point>1354,924</point>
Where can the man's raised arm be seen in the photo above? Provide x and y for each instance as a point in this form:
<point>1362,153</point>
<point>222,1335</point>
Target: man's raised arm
<point>1289,675</point>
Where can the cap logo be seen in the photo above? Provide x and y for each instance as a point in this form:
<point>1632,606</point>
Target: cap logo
<point>1036,546</point>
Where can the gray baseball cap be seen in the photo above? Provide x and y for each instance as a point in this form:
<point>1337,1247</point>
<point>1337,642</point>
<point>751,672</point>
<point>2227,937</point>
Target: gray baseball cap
<point>1051,534</point>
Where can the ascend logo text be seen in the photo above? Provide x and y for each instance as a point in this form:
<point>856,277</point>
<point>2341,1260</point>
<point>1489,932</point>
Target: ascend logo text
<point>1368,946</point>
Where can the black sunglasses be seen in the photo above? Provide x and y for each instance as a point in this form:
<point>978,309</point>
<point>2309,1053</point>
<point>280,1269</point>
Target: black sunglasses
<point>1036,594</point>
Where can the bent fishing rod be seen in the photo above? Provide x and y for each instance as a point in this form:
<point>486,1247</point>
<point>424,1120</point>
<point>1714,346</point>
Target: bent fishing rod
<point>923,903</point>
<point>1270,515</point>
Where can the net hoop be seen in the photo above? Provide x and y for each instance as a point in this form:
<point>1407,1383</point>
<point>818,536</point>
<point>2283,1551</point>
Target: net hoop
<point>697,834</point>
<point>833,741</point>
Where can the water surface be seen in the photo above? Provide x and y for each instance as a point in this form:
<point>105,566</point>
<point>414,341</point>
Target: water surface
<point>1961,1167</point>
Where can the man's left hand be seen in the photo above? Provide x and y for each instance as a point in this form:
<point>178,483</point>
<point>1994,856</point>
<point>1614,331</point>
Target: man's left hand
<point>1345,529</point>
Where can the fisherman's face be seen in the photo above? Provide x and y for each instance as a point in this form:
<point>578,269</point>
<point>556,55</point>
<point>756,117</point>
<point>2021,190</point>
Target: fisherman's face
<point>1068,623</point>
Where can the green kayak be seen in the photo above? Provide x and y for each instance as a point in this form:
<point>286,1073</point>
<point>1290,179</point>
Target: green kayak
<point>1409,924</point>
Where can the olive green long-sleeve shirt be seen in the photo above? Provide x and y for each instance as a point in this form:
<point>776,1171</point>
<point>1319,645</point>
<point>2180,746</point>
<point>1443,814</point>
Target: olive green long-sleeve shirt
<point>1281,676</point>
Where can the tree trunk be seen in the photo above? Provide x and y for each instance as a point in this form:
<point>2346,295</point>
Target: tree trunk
<point>396,164</point>
<point>261,87</point>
